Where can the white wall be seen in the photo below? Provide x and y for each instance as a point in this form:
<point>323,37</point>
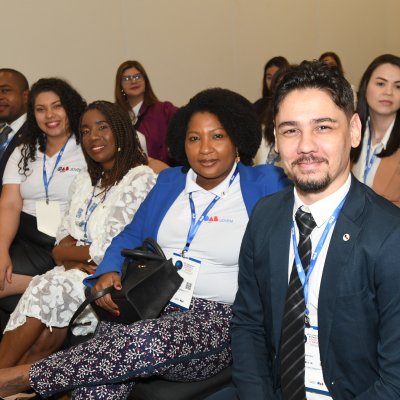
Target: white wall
<point>188,45</point>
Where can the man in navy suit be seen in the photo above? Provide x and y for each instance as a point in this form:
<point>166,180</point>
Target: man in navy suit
<point>338,334</point>
<point>14,91</point>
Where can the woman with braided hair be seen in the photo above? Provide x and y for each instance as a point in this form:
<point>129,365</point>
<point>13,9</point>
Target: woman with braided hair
<point>104,199</point>
<point>214,137</point>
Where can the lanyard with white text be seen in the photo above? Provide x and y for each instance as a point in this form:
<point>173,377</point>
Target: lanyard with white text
<point>46,181</point>
<point>369,161</point>
<point>88,213</point>
<point>304,278</point>
<point>195,225</point>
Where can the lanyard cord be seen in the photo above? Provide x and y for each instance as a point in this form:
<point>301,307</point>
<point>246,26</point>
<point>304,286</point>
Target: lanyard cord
<point>195,225</point>
<point>304,277</point>
<point>46,181</point>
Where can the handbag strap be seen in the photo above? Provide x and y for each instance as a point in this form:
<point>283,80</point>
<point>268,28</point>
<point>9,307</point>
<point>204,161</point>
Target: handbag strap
<point>150,249</point>
<point>141,254</point>
<point>89,300</point>
<point>150,242</point>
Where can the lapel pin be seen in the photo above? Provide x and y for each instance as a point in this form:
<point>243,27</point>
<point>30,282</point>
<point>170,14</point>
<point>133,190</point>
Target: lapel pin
<point>346,237</point>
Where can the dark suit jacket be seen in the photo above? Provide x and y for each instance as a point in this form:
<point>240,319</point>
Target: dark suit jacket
<point>16,141</point>
<point>359,301</point>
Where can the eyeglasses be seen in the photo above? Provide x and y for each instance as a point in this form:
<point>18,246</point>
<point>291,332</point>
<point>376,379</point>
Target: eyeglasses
<point>135,77</point>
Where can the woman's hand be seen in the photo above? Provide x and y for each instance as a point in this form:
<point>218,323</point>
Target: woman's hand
<point>60,251</point>
<point>105,281</point>
<point>85,267</point>
<point>5,268</point>
<point>68,241</point>
<point>55,253</point>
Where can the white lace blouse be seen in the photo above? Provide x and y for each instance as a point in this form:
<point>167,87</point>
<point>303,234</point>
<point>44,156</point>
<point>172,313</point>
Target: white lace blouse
<point>110,215</point>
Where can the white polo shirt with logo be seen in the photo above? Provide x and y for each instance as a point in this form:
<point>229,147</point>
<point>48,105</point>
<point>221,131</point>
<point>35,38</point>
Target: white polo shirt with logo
<point>217,242</point>
<point>32,186</point>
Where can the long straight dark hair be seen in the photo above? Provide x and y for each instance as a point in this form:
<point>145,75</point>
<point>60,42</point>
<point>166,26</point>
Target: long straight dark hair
<point>363,108</point>
<point>149,96</point>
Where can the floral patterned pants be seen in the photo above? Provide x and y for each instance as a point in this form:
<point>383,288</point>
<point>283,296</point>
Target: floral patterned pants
<point>179,345</point>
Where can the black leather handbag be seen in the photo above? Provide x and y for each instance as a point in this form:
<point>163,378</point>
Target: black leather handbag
<point>148,281</point>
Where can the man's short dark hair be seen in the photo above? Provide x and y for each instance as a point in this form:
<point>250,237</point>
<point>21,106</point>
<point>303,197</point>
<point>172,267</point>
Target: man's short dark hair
<point>315,75</point>
<point>20,78</point>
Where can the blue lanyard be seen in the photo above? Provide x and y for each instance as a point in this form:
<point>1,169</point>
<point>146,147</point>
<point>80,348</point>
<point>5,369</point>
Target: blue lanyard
<point>304,278</point>
<point>91,206</point>
<point>195,225</point>
<point>46,181</point>
<point>369,161</point>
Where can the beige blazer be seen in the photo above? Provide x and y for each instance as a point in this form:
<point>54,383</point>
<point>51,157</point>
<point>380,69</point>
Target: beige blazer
<point>387,178</point>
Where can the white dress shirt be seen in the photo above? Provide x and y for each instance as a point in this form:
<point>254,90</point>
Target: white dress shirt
<point>16,126</point>
<point>321,212</point>
<point>359,166</point>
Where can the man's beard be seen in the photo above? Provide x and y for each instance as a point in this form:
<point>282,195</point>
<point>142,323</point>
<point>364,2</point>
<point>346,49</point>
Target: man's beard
<point>312,186</point>
<point>308,184</point>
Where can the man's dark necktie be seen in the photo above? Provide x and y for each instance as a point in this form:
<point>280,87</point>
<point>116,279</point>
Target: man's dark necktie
<point>3,139</point>
<point>292,339</point>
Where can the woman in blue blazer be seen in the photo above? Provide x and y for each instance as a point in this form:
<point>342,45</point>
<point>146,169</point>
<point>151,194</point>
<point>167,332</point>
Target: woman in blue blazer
<point>199,210</point>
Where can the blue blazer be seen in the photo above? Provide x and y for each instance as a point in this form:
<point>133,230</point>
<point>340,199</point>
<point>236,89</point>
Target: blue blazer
<point>358,307</point>
<point>255,183</point>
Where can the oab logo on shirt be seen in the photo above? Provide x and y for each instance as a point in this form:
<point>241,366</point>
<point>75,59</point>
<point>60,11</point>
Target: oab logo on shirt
<point>66,168</point>
<point>215,218</point>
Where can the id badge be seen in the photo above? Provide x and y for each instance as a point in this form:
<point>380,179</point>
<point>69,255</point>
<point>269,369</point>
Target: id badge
<point>314,380</point>
<point>48,217</point>
<point>189,271</point>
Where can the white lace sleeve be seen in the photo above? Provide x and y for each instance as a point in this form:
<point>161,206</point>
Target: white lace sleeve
<point>65,227</point>
<point>118,209</point>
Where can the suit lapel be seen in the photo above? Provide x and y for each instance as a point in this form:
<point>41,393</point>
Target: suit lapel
<point>341,246</point>
<point>279,246</point>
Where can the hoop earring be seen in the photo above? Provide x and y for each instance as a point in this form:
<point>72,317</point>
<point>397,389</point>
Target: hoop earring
<point>237,159</point>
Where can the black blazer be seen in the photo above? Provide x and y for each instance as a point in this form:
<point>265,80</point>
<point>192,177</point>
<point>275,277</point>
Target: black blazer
<point>16,141</point>
<point>358,307</point>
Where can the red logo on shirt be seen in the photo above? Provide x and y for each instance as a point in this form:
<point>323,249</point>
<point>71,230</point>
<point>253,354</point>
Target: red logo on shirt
<point>215,218</point>
<point>67,168</point>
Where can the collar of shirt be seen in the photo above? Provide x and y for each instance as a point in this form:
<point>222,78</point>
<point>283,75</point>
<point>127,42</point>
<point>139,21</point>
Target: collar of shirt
<point>16,125</point>
<point>377,148</point>
<point>136,109</point>
<point>219,190</point>
<point>70,145</point>
<point>324,208</point>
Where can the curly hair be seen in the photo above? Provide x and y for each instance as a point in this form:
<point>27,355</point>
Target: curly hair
<point>128,154</point>
<point>363,109</point>
<point>315,75</point>
<point>236,114</point>
<point>73,104</point>
<point>149,97</point>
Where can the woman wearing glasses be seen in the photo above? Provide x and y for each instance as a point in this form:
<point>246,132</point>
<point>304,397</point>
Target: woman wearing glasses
<point>215,137</point>
<point>134,93</point>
